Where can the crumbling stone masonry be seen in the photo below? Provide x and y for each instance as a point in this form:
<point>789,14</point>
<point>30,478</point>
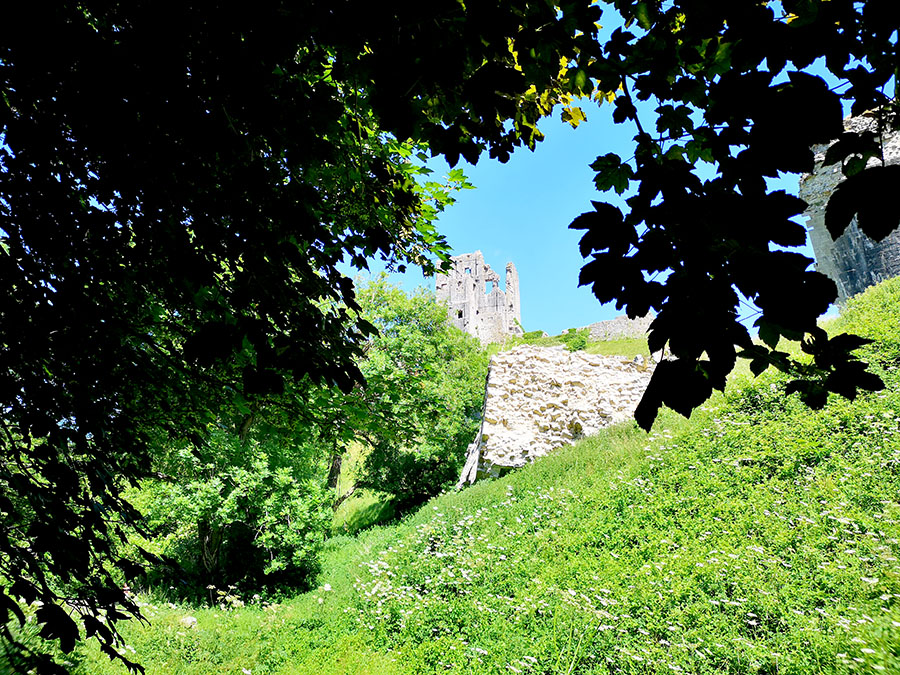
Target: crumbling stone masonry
<point>471,289</point>
<point>538,399</point>
<point>853,260</point>
<point>621,327</point>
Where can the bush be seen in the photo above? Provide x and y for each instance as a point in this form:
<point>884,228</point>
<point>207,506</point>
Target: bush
<point>245,516</point>
<point>426,383</point>
<point>575,340</point>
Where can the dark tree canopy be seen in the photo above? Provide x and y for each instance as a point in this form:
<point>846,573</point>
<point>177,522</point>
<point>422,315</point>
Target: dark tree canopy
<point>178,185</point>
<point>727,84</point>
<point>180,181</point>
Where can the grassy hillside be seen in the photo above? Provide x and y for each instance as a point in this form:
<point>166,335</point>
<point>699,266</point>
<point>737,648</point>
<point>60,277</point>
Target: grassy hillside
<point>575,339</point>
<point>757,537</point>
<point>364,508</point>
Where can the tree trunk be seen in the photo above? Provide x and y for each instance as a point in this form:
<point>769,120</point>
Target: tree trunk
<point>334,473</point>
<point>343,498</point>
<point>211,537</point>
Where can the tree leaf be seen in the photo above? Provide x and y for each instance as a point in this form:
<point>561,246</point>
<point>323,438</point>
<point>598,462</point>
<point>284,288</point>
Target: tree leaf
<point>606,229</point>
<point>850,143</point>
<point>612,174</point>
<point>573,116</point>
<point>642,14</point>
<point>57,625</point>
<point>768,333</point>
<point>867,196</point>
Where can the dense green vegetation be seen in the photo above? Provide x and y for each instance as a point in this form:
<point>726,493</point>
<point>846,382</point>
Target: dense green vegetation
<point>175,223</point>
<point>250,507</point>
<point>428,380</point>
<point>757,537</point>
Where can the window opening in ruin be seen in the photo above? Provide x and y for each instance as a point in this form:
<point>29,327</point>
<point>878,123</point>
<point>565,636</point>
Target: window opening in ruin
<point>479,285</point>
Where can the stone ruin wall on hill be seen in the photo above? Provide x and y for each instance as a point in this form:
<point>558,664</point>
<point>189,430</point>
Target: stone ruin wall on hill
<point>490,314</point>
<point>853,261</point>
<point>621,327</point>
<point>541,398</point>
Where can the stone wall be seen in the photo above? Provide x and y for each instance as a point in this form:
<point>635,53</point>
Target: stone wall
<point>541,398</point>
<point>853,261</point>
<point>471,290</point>
<point>621,327</point>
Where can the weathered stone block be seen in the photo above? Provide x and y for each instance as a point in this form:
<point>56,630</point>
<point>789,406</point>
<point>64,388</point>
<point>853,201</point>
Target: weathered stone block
<point>557,397</point>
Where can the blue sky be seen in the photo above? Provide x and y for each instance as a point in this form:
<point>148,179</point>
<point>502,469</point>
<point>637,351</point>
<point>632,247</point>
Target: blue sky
<point>520,212</point>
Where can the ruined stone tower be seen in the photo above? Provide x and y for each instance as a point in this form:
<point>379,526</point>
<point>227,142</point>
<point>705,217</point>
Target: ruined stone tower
<point>471,290</point>
<point>853,261</point>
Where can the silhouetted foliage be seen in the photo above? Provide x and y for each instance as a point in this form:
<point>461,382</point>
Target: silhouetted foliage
<point>178,184</point>
<point>730,85</point>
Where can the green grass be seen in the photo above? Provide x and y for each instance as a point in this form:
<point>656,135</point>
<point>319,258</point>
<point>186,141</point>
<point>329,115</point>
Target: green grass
<point>629,347</point>
<point>757,537</point>
<point>363,508</point>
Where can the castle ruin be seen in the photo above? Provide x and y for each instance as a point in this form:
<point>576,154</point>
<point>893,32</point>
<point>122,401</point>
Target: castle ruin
<point>853,261</point>
<point>477,305</point>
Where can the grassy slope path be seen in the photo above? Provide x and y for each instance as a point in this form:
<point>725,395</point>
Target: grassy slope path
<point>758,537</point>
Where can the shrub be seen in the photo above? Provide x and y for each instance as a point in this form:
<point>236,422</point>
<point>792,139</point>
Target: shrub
<point>244,516</point>
<point>575,340</point>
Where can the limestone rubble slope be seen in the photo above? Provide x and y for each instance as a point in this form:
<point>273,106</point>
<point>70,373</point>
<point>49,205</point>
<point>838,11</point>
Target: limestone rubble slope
<point>541,398</point>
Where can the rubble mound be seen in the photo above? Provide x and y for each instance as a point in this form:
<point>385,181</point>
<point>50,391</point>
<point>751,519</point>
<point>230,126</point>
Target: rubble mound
<point>538,399</point>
